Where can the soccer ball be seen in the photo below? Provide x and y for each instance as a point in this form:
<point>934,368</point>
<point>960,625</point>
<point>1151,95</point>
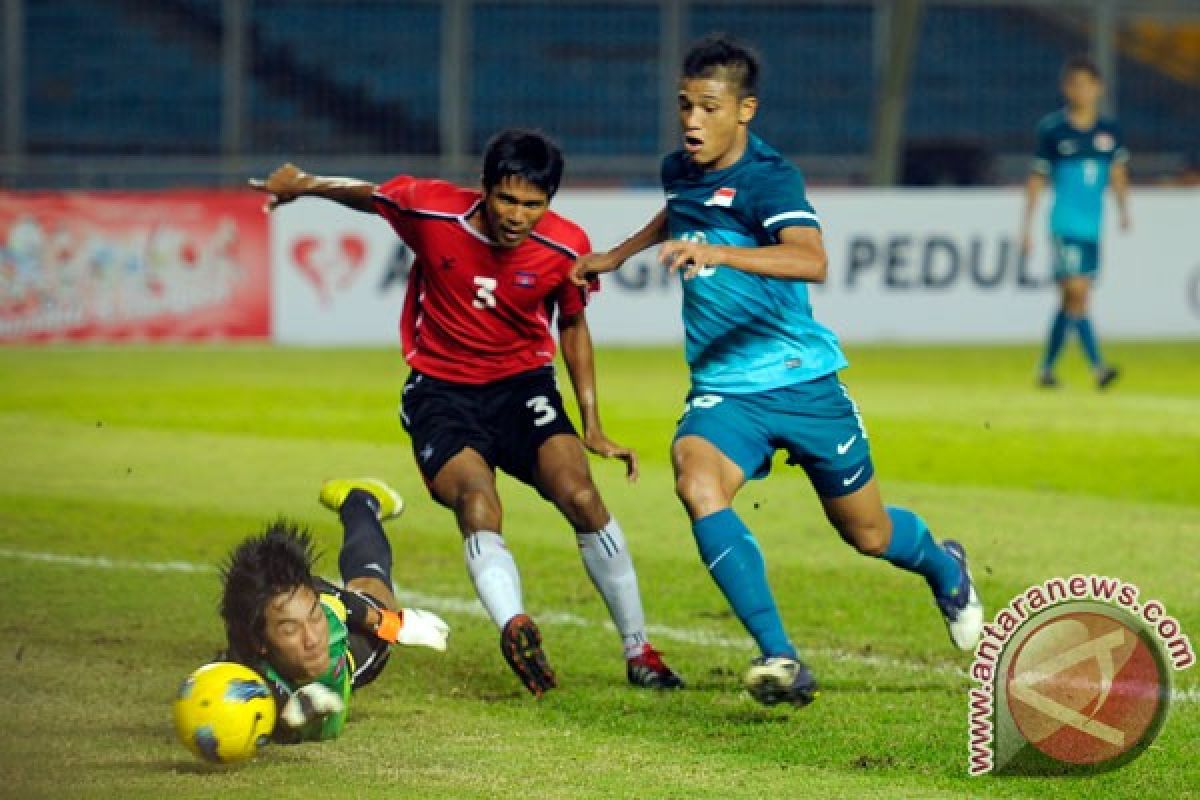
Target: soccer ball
<point>224,712</point>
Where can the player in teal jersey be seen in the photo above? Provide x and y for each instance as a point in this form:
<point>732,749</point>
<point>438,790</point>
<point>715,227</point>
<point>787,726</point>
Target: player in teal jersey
<point>316,642</point>
<point>1080,153</point>
<point>763,371</point>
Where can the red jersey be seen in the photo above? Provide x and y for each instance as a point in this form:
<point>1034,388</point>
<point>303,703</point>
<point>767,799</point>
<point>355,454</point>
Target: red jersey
<point>475,312</point>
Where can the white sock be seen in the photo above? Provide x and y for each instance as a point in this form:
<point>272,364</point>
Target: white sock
<point>607,560</point>
<point>495,575</point>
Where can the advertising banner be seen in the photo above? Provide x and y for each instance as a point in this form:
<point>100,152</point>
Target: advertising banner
<point>930,266</point>
<point>914,266</point>
<point>338,275</point>
<point>904,266</point>
<point>116,266</point>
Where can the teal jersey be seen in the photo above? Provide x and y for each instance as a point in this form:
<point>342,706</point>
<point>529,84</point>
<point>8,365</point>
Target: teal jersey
<point>1077,164</point>
<point>745,333</point>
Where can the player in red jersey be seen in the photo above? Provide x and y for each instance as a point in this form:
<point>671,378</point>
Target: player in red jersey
<point>492,269</point>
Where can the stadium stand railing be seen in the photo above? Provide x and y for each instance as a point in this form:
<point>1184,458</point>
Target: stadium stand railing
<point>110,81</point>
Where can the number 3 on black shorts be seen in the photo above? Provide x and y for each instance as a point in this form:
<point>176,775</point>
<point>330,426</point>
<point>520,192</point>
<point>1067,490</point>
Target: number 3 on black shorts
<point>543,409</point>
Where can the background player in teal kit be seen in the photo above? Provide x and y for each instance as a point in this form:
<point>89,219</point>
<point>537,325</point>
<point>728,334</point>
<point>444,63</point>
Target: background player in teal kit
<point>1080,153</point>
<point>763,371</point>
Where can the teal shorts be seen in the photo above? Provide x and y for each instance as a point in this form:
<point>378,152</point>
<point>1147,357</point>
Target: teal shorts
<point>1075,257</point>
<point>816,423</point>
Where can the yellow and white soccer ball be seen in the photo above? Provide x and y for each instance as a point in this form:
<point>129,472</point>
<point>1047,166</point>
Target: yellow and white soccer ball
<point>224,712</point>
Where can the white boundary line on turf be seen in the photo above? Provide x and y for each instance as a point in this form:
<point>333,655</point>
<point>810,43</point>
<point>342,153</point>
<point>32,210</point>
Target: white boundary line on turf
<point>101,562</point>
<point>472,607</point>
<point>694,636</point>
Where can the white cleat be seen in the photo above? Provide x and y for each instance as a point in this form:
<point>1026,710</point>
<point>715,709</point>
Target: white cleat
<point>962,611</point>
<point>780,679</point>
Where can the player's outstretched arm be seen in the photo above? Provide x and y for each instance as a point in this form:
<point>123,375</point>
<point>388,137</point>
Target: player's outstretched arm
<point>589,266</point>
<point>1033,190</point>
<point>800,255</point>
<point>288,182</point>
<point>1119,178</point>
<point>576,341</point>
<point>395,625</point>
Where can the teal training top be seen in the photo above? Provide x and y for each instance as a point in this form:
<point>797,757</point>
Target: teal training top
<point>1077,164</point>
<point>745,333</point>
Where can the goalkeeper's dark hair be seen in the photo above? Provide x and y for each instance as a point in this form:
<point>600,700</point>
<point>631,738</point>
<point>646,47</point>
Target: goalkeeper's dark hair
<point>1081,63</point>
<point>721,57</point>
<point>278,560</point>
<point>526,154</point>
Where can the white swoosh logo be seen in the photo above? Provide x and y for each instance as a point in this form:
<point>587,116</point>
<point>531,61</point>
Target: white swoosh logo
<point>844,446</point>
<point>854,477</point>
<point>724,553</point>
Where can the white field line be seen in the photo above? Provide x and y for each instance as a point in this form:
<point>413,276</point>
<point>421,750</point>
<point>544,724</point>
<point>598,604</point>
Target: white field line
<point>101,562</point>
<point>472,607</point>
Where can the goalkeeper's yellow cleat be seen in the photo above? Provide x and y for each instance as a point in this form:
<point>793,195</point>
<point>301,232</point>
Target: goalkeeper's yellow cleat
<point>388,501</point>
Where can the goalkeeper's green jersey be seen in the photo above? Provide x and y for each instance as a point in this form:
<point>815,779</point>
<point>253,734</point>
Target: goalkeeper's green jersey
<point>338,677</point>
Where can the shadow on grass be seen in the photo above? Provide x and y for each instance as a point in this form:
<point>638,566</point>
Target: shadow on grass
<point>274,755</point>
<point>839,685</point>
<point>191,766</point>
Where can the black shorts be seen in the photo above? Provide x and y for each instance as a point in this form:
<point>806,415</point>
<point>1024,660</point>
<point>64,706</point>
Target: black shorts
<point>505,421</point>
<point>368,653</point>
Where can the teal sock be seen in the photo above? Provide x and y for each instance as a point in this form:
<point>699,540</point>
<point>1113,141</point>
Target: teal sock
<point>1087,336</point>
<point>1055,340</point>
<point>736,564</point>
<point>913,548</point>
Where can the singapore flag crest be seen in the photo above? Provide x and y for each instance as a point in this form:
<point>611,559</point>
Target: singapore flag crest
<point>722,197</point>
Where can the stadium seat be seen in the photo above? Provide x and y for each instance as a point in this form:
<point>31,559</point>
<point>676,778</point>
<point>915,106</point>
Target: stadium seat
<point>129,78</point>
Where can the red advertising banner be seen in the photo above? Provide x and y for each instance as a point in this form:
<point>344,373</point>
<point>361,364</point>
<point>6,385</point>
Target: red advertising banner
<point>122,266</point>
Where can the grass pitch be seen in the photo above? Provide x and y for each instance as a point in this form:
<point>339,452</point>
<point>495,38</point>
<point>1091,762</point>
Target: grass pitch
<point>128,473</point>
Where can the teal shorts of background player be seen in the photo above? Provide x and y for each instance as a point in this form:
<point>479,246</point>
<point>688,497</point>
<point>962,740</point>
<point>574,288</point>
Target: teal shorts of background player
<point>816,422</point>
<point>1075,257</point>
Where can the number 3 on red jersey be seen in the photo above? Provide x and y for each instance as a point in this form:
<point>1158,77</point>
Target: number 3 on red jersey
<point>485,295</point>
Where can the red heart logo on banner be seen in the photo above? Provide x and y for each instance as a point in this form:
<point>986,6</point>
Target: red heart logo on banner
<point>327,265</point>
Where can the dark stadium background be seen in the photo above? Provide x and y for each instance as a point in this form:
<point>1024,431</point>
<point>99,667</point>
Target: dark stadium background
<point>152,93</point>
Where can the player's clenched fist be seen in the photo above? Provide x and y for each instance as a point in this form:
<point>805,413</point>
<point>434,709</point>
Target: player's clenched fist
<point>284,185</point>
<point>588,266</point>
<point>314,701</point>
